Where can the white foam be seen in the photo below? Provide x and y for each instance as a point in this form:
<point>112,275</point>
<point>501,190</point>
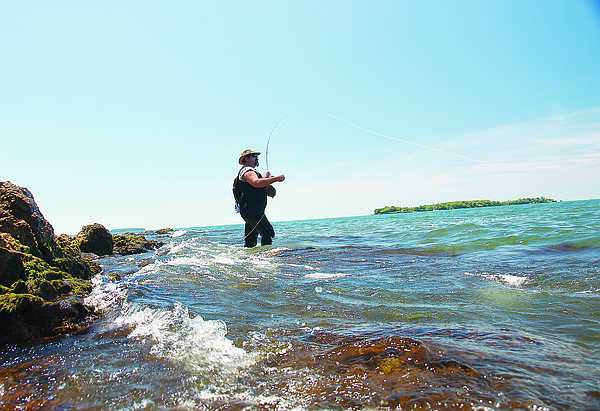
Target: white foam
<point>325,275</point>
<point>174,248</point>
<point>193,342</point>
<point>104,294</point>
<point>225,260</point>
<point>277,250</point>
<point>178,233</point>
<point>146,403</point>
<point>193,261</point>
<point>514,280</point>
<point>307,267</point>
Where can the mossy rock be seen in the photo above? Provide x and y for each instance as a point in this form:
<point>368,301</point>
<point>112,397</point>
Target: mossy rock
<point>30,309</point>
<point>25,317</point>
<point>10,243</point>
<point>96,239</point>
<point>128,244</point>
<point>11,266</point>
<point>43,277</point>
<point>20,287</point>
<point>25,273</point>
<point>50,282</point>
<point>69,259</point>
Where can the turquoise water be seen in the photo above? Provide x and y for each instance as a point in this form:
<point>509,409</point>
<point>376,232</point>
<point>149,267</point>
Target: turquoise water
<point>491,308</point>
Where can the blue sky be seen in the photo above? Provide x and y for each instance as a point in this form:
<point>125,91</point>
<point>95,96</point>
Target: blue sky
<point>133,113</point>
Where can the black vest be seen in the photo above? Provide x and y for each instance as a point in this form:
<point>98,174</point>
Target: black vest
<point>249,194</point>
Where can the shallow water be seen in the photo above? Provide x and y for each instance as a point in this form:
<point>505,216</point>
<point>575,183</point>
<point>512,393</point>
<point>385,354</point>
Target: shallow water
<point>492,308</point>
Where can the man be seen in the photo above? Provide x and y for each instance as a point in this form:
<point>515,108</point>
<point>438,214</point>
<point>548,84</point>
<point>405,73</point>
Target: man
<point>252,189</point>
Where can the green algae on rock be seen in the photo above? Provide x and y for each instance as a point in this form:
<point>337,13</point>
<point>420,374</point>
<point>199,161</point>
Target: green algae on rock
<point>43,277</point>
<point>129,243</point>
<point>95,238</point>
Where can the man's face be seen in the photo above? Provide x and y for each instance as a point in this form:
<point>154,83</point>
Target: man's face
<point>253,160</point>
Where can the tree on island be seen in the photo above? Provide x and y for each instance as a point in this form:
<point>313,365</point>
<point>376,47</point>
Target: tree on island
<point>452,205</point>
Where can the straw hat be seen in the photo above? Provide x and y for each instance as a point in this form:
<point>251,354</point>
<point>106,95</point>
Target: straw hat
<point>247,152</point>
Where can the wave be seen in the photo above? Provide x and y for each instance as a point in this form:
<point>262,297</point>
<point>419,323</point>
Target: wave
<point>509,279</point>
<point>189,341</point>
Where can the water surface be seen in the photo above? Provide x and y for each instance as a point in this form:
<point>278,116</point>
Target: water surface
<point>491,308</point>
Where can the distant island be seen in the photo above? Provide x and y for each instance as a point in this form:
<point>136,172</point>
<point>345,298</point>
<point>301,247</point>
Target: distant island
<point>461,204</point>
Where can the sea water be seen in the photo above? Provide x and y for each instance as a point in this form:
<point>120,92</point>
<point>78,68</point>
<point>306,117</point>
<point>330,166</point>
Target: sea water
<point>483,309</point>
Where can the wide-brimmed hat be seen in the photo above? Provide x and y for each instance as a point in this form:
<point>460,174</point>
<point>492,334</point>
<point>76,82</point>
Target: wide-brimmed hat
<point>247,152</point>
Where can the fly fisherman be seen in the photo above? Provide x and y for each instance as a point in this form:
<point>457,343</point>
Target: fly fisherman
<point>250,190</point>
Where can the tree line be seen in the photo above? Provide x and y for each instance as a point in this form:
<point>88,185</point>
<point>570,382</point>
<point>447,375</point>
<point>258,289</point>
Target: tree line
<point>452,205</point>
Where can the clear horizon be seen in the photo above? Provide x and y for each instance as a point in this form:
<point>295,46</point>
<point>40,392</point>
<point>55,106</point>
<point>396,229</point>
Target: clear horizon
<point>120,230</point>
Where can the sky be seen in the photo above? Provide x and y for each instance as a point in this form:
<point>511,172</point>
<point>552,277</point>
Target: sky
<point>133,114</point>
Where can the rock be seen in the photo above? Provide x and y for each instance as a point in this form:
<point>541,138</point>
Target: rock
<point>95,238</point>
<point>164,231</point>
<point>11,267</point>
<point>20,231</point>
<point>70,259</point>
<point>19,203</point>
<point>128,244</point>
<point>27,317</point>
<point>23,228</point>
<point>37,267</point>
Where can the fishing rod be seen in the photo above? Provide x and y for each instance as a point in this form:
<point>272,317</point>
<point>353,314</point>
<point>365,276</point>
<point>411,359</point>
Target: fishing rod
<point>272,131</point>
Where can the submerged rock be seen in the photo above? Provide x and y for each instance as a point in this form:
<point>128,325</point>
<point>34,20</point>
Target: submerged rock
<point>43,277</point>
<point>370,371</point>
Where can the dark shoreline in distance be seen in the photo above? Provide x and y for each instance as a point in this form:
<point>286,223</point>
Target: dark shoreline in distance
<point>452,205</point>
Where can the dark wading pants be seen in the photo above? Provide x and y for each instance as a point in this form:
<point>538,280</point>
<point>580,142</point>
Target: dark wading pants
<point>256,223</point>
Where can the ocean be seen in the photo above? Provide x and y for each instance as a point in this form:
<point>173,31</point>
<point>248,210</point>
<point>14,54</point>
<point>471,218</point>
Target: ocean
<point>473,309</point>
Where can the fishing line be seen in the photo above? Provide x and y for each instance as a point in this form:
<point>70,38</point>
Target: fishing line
<point>254,228</point>
<point>278,123</point>
<point>356,126</point>
<point>363,129</point>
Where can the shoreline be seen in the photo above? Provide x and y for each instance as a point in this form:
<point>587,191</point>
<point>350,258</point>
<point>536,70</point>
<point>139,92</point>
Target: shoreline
<point>454,205</point>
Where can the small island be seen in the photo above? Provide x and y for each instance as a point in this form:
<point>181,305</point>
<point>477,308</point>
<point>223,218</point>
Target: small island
<point>452,205</point>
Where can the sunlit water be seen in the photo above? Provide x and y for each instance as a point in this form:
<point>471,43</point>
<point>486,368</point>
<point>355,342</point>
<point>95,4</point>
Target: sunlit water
<point>492,308</point>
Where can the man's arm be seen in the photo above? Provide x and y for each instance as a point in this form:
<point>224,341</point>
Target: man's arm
<point>252,178</point>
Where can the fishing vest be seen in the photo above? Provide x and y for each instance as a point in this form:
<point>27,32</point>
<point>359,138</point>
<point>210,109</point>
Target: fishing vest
<point>245,193</point>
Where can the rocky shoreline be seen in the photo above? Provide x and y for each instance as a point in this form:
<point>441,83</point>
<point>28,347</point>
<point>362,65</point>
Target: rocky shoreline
<point>44,278</point>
